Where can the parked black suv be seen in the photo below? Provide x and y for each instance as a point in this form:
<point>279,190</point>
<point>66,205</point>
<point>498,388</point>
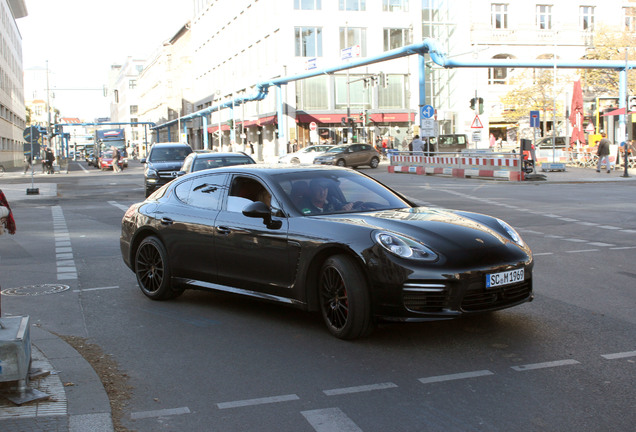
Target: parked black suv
<point>163,164</point>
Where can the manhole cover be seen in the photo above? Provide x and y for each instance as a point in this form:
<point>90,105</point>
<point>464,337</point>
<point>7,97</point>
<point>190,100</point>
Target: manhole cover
<point>35,290</point>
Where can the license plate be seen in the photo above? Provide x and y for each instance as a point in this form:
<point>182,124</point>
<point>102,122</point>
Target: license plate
<point>504,278</point>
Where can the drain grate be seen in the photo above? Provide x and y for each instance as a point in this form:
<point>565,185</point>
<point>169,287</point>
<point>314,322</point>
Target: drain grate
<point>35,290</point>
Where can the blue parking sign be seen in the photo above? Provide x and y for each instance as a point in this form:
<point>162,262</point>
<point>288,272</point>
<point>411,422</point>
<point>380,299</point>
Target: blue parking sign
<point>535,120</point>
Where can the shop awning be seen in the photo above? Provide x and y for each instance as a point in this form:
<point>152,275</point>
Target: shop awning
<point>619,111</point>
<point>337,118</point>
<point>263,121</point>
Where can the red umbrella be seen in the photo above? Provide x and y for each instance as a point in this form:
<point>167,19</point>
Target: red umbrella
<point>576,117</point>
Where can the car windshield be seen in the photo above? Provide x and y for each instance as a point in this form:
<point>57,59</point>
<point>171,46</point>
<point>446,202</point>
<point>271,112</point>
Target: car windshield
<point>168,154</point>
<point>206,162</point>
<point>337,149</point>
<point>341,191</point>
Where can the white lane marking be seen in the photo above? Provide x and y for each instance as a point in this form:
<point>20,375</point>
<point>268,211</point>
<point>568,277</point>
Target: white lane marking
<point>599,244</point>
<point>359,389</point>
<point>575,240</point>
<point>456,376</point>
<point>543,254</point>
<point>553,236</point>
<point>66,269</point>
<point>623,247</point>
<point>587,223</point>
<point>629,231</point>
<point>619,355</point>
<point>582,250</point>
<point>159,413</point>
<point>609,227</point>
<point>565,219</point>
<point>330,420</point>
<point>119,206</point>
<point>259,401</point>
<point>544,365</point>
<point>96,289</point>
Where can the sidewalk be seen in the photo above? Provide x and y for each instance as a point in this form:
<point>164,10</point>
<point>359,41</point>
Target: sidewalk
<point>78,401</point>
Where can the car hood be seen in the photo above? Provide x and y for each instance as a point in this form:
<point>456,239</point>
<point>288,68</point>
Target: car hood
<point>446,231</point>
<point>165,166</point>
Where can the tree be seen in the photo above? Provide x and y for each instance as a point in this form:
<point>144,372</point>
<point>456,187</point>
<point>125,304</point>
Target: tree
<point>532,90</point>
<point>608,44</point>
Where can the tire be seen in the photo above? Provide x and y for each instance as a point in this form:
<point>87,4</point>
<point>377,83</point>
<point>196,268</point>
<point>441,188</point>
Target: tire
<point>153,270</point>
<point>341,163</point>
<point>374,162</point>
<point>295,161</point>
<point>345,304</point>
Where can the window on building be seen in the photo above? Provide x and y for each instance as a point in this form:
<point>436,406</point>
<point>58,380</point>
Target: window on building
<point>133,120</point>
<point>307,4</point>
<point>629,14</point>
<point>392,96</point>
<point>350,36</point>
<point>132,84</point>
<point>499,75</point>
<point>308,41</point>
<point>499,15</point>
<point>395,5</point>
<point>116,94</point>
<point>312,93</point>
<point>544,17</point>
<point>396,38</point>
<point>359,97</point>
<point>353,5</point>
<point>134,109</point>
<point>586,18</point>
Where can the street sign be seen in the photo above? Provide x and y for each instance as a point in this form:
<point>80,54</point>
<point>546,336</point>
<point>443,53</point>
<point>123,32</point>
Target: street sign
<point>477,136</point>
<point>350,52</point>
<point>535,119</point>
<point>311,63</point>
<point>428,127</point>
<point>427,112</point>
<point>313,126</point>
<point>477,123</point>
<point>32,133</point>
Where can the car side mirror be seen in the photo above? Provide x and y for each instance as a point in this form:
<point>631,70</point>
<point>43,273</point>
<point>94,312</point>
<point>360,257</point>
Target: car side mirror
<point>180,173</point>
<point>259,209</point>
<point>142,160</point>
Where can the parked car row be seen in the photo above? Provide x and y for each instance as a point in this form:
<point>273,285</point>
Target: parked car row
<point>348,155</point>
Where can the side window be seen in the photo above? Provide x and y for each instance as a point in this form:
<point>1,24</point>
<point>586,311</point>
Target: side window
<point>244,191</point>
<point>204,192</point>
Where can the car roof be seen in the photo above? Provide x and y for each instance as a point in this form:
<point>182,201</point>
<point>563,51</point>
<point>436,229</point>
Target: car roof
<point>272,169</point>
<point>170,144</point>
<point>217,154</point>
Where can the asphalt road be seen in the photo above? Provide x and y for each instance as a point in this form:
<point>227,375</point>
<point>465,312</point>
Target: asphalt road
<point>210,361</point>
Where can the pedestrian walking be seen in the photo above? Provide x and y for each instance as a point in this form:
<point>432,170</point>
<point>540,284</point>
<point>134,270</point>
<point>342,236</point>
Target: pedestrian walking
<point>603,153</point>
<point>27,163</point>
<point>116,157</point>
<point>50,158</point>
<point>418,145</point>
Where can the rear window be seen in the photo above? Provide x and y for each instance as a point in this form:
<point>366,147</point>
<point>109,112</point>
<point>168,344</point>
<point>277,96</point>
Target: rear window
<point>166,154</point>
<point>202,163</point>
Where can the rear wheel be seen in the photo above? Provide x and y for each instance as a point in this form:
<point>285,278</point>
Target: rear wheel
<point>153,270</point>
<point>374,162</point>
<point>344,298</point>
<point>295,161</point>
<point>341,163</point>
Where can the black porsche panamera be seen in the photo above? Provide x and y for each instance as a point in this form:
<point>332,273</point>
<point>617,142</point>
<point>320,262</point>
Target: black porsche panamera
<point>327,239</point>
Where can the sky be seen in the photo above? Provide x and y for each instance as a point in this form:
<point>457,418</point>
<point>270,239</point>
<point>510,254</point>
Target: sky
<point>81,39</point>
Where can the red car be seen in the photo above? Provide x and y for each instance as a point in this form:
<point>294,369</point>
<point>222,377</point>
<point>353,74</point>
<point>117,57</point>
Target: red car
<point>105,161</point>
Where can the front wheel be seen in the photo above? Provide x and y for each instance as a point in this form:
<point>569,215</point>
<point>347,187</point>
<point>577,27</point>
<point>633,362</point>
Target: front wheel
<point>374,162</point>
<point>153,270</point>
<point>341,163</point>
<point>344,298</point>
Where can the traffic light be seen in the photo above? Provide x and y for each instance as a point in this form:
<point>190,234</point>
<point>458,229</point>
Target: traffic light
<point>473,101</point>
<point>365,83</point>
<point>362,117</point>
<point>631,106</point>
<point>481,105</point>
<point>384,80</point>
<point>343,121</point>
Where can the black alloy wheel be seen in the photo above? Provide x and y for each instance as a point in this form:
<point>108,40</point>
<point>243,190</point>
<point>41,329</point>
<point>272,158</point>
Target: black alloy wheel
<point>344,298</point>
<point>153,271</point>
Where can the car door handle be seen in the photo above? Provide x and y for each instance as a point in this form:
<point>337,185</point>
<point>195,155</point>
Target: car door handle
<point>223,230</point>
<point>166,221</point>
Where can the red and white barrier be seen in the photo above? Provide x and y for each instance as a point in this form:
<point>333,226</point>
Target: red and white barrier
<point>505,167</point>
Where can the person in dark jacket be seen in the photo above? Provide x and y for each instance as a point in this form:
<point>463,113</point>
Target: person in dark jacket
<point>603,153</point>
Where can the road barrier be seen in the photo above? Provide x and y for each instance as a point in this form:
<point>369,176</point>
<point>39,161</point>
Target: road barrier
<point>504,166</point>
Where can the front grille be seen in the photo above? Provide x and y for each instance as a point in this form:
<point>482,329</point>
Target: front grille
<point>425,297</point>
<point>479,299</point>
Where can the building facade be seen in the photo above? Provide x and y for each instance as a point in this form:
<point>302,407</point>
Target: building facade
<point>233,45</point>
<point>12,106</point>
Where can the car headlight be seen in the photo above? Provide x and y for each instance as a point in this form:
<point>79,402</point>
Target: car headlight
<point>512,233</point>
<point>150,173</point>
<point>404,247</point>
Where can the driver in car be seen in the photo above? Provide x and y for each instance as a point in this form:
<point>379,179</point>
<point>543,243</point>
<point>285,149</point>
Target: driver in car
<point>318,202</point>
